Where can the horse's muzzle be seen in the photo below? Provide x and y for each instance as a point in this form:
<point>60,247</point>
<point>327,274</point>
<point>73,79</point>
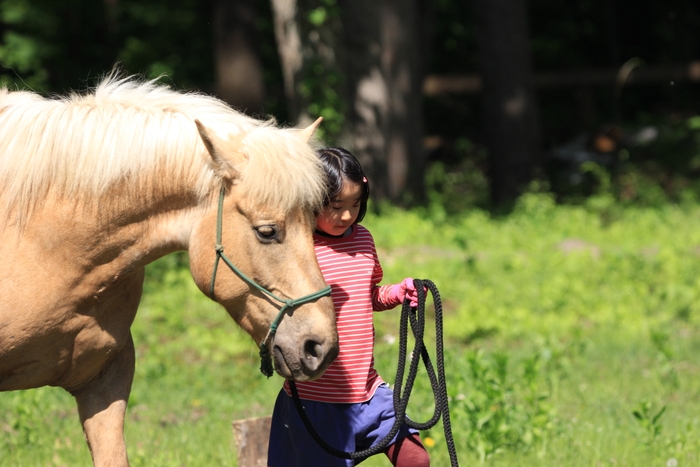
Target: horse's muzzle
<point>306,362</point>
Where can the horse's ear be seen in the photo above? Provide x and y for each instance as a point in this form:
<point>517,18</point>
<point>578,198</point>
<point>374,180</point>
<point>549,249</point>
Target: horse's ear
<point>227,159</point>
<point>308,132</point>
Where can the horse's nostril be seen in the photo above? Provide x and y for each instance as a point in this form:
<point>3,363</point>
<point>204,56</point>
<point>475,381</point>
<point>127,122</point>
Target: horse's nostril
<point>313,354</point>
<point>313,349</point>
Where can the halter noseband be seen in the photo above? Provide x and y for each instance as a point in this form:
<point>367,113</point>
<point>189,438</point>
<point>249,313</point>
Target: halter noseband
<point>266,366</point>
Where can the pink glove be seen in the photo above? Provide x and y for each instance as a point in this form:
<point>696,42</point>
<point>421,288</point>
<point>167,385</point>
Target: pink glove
<point>404,290</point>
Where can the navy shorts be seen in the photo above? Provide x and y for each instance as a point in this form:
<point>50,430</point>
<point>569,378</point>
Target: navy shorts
<point>346,427</point>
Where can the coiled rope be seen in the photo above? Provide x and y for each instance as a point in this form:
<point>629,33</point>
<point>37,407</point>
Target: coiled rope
<point>416,318</point>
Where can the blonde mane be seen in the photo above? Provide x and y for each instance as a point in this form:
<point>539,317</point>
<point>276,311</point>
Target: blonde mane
<point>140,138</point>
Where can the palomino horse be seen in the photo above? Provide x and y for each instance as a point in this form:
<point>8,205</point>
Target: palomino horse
<point>94,187</point>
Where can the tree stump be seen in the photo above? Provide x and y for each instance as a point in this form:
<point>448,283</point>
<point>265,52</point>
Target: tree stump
<point>252,437</point>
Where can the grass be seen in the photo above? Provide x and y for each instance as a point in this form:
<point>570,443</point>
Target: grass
<point>571,340</point>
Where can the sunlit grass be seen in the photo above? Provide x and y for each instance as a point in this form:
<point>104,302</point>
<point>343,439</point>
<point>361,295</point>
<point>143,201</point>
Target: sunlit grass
<point>603,306</point>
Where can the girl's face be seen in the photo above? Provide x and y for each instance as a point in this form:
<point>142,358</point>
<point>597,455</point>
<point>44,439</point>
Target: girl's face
<point>341,212</point>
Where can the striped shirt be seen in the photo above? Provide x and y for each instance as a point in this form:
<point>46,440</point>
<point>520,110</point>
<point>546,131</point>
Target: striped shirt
<point>351,267</point>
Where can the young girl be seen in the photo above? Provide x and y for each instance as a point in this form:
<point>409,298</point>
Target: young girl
<point>350,405</point>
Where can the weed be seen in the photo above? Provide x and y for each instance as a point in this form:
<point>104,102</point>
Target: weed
<point>665,368</point>
<point>20,423</point>
<point>500,411</point>
<point>649,420</point>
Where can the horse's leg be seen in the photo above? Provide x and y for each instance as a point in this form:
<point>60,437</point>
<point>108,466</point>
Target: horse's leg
<point>102,407</point>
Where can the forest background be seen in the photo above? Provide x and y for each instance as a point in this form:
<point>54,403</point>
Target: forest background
<point>483,96</point>
<point>537,160</point>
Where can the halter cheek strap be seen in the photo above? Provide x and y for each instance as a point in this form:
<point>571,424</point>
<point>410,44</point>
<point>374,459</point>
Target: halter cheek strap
<point>266,366</point>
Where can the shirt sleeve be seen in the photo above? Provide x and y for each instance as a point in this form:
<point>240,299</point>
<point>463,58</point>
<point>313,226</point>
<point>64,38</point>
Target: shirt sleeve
<point>381,298</point>
<point>381,294</point>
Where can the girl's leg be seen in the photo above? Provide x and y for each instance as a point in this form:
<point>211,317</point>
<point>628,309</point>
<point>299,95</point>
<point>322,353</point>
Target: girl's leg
<point>408,452</point>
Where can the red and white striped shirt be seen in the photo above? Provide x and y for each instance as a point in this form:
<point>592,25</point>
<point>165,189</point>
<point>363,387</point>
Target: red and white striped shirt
<point>351,267</point>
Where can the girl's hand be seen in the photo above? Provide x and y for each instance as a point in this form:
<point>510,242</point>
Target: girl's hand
<point>405,290</point>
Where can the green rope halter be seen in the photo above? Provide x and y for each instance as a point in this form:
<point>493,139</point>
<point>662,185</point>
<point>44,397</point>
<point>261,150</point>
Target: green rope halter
<point>266,366</point>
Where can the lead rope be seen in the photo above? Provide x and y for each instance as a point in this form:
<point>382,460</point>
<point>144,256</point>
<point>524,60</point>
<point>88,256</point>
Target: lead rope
<point>416,317</point>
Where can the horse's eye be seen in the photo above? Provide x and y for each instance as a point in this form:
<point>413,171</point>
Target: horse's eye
<point>266,233</point>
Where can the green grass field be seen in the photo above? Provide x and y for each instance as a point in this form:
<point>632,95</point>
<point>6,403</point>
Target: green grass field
<point>571,334</point>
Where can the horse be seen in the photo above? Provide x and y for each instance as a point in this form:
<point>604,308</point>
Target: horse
<point>95,185</point>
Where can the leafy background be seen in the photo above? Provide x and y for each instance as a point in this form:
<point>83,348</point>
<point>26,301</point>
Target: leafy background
<point>571,316</point>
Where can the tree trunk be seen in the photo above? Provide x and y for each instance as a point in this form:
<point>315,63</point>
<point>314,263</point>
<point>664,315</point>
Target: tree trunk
<point>285,14</point>
<point>308,53</point>
<point>383,65</point>
<point>239,71</point>
<point>510,110</point>
<point>378,46</point>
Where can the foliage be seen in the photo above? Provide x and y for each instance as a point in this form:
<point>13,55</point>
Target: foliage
<point>501,411</point>
<point>665,168</point>
<point>573,37</point>
<point>666,367</point>
<point>54,46</point>
<point>454,188</point>
<point>596,299</point>
<point>322,79</point>
<point>558,323</point>
<point>649,419</point>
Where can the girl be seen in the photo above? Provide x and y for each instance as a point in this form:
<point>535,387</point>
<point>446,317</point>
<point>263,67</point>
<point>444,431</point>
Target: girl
<point>350,404</point>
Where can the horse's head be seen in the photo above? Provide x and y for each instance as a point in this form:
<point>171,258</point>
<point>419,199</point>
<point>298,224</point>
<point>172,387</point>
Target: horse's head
<point>267,236</point>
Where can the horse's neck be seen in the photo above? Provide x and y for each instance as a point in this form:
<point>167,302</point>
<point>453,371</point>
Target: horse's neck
<point>155,229</point>
<point>121,237</point>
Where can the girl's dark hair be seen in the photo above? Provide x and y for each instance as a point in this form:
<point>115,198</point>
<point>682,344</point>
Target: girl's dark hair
<point>340,165</point>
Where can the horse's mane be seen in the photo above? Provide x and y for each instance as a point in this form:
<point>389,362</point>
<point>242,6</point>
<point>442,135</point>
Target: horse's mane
<point>140,137</point>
